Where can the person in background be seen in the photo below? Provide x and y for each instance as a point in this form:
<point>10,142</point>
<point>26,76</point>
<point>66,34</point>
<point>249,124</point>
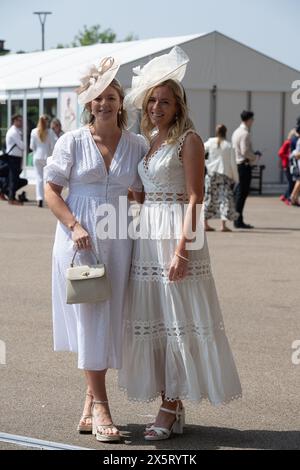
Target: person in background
<point>296,156</point>
<point>42,144</point>
<point>294,135</point>
<point>221,176</point>
<point>14,147</point>
<point>4,185</point>
<point>245,158</point>
<point>284,154</point>
<point>56,127</point>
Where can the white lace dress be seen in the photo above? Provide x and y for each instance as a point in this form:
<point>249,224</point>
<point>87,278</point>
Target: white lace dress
<point>174,337</point>
<point>92,330</point>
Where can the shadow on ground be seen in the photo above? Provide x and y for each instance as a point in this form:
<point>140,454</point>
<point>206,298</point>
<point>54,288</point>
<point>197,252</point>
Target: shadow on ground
<point>212,438</point>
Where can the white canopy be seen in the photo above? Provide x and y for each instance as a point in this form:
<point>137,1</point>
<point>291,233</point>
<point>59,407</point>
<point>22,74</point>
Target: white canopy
<point>61,67</point>
<point>215,60</point>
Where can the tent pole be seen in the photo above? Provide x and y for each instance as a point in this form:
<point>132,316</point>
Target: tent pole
<point>213,110</point>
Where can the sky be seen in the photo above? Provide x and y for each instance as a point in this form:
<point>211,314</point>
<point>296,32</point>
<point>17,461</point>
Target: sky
<point>269,26</point>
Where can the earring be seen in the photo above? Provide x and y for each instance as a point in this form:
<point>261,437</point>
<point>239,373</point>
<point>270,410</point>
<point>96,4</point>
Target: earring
<point>120,111</point>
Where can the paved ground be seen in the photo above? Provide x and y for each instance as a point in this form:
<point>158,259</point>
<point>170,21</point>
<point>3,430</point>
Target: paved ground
<point>257,276</point>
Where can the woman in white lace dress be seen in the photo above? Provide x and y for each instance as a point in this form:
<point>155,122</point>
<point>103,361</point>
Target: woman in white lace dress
<point>175,343</point>
<point>98,163</point>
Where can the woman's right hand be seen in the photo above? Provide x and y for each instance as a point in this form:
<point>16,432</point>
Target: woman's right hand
<point>81,238</point>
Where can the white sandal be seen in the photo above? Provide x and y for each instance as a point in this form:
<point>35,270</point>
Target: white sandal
<point>99,429</point>
<point>164,433</point>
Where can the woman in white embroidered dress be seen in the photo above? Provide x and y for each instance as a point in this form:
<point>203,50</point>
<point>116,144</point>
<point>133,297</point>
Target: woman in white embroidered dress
<point>175,344</point>
<point>98,163</point>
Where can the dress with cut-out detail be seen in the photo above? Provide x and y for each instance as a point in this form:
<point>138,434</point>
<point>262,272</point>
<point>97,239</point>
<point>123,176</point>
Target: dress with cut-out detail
<point>174,336</point>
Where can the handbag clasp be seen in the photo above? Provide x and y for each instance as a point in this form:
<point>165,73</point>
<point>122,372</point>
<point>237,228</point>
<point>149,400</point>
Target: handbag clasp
<point>85,274</point>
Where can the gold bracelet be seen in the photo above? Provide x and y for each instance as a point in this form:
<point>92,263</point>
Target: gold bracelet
<point>182,257</point>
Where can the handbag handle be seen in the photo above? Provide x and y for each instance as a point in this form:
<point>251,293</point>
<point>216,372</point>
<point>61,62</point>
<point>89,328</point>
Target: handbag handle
<point>75,253</point>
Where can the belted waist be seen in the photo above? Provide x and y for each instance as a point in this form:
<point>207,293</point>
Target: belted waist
<point>166,197</point>
<point>96,190</point>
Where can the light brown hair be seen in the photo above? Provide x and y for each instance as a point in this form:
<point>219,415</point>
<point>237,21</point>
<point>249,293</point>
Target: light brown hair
<point>221,132</point>
<point>42,127</point>
<point>122,117</point>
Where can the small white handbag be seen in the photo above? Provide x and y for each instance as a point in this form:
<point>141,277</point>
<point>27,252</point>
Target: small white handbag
<point>87,283</point>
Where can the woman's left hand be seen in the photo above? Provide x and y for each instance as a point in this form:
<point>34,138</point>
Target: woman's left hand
<point>178,269</point>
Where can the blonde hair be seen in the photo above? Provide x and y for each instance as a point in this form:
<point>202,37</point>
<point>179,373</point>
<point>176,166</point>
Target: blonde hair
<point>181,122</point>
<point>221,131</point>
<point>42,127</point>
<point>122,117</point>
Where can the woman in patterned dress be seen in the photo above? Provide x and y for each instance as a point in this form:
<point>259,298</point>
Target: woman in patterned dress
<point>221,175</point>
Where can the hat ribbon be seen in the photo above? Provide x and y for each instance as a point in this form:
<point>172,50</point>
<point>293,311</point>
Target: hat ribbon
<point>94,73</point>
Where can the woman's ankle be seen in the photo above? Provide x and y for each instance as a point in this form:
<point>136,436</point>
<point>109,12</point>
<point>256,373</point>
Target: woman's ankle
<point>172,405</point>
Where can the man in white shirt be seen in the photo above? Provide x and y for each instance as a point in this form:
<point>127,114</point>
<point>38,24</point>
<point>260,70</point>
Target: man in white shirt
<point>14,147</point>
<point>245,158</point>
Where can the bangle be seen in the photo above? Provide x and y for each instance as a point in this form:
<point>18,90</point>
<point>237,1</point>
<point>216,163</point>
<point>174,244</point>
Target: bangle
<point>181,257</point>
<point>72,225</point>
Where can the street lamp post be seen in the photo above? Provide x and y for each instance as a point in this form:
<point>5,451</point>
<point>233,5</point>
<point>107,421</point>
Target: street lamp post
<point>42,17</point>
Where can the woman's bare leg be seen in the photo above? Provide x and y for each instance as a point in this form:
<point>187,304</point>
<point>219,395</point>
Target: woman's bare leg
<point>96,383</point>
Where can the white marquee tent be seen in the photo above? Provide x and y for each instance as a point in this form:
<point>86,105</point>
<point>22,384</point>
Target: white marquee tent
<point>223,78</point>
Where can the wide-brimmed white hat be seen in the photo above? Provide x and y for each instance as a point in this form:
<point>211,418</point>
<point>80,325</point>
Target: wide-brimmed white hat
<point>94,79</point>
<point>161,68</point>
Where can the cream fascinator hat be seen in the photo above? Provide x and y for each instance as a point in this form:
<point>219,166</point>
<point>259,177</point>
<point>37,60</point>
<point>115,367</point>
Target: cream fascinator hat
<point>94,79</point>
<point>161,68</point>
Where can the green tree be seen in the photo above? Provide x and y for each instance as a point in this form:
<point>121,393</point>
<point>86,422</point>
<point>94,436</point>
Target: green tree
<point>130,37</point>
<point>94,35</point>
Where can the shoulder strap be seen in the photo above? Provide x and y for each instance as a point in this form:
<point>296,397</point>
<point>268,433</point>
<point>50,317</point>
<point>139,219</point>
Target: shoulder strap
<point>181,141</point>
<point>7,153</point>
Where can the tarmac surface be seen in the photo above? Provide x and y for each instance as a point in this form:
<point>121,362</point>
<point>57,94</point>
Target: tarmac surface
<point>257,277</point>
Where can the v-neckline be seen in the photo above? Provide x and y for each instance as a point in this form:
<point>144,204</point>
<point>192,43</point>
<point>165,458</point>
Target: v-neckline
<point>148,158</point>
<point>107,170</point>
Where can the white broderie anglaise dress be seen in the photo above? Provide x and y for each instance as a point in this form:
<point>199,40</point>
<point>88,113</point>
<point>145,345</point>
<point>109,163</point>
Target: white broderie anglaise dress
<point>174,337</point>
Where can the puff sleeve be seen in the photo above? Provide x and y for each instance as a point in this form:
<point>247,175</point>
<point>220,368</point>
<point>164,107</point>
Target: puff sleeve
<point>59,165</point>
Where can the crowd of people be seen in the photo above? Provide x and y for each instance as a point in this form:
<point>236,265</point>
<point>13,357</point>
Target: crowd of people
<point>42,141</point>
<point>289,154</point>
<point>228,168</point>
